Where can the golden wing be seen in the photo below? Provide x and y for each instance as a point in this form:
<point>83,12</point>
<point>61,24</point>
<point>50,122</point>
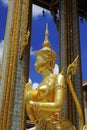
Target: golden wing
<point>72,67</point>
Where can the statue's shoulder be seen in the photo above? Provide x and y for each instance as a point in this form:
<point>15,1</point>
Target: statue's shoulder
<point>60,80</point>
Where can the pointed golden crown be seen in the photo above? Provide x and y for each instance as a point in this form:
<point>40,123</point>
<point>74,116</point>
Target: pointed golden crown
<point>46,41</point>
<point>46,47</point>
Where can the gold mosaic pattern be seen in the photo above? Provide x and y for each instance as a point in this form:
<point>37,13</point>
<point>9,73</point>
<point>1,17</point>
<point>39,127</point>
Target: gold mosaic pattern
<point>8,94</point>
<point>25,30</point>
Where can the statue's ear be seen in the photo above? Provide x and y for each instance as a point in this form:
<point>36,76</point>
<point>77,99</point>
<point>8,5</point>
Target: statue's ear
<point>51,65</point>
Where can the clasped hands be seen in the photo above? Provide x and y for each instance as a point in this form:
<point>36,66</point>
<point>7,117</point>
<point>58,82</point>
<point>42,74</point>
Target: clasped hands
<point>34,105</point>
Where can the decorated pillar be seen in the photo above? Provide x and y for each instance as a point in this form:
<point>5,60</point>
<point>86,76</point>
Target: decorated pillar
<point>15,65</point>
<point>69,48</point>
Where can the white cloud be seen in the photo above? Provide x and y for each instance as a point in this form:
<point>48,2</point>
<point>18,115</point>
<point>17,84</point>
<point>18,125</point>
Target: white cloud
<point>5,2</point>
<point>29,80</point>
<point>56,69</point>
<point>34,85</point>
<point>31,51</point>
<point>38,11</point>
<point>33,128</point>
<point>1,49</point>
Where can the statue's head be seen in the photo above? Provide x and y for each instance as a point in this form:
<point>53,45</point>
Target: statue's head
<point>45,58</point>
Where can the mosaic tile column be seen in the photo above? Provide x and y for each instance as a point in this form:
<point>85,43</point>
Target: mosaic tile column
<point>69,48</point>
<point>15,70</point>
<point>5,58</point>
<point>6,46</point>
<point>76,50</point>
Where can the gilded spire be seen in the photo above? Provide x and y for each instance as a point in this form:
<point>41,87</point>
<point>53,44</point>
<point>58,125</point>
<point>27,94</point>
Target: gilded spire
<point>46,49</point>
<point>46,41</point>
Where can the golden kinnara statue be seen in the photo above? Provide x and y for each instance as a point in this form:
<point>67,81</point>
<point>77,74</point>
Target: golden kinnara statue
<point>44,105</point>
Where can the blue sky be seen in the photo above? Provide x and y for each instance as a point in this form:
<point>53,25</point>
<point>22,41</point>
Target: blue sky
<point>37,37</point>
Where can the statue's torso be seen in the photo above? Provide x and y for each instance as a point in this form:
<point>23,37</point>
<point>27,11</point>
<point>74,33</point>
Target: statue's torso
<point>45,93</point>
<point>49,120</point>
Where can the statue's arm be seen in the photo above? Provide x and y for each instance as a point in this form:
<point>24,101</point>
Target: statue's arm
<point>58,102</point>
<point>52,106</point>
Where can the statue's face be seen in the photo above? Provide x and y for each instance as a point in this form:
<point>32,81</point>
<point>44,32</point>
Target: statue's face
<point>41,63</point>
